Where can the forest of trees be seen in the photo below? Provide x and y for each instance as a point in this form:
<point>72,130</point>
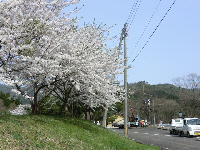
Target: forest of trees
<point>169,100</point>
<point>183,96</point>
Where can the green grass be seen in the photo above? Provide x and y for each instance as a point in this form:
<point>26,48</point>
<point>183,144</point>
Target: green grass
<point>50,132</point>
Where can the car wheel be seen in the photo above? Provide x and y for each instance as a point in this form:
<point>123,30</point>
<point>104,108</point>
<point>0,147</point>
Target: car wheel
<point>180,133</point>
<point>170,132</point>
<point>188,135</point>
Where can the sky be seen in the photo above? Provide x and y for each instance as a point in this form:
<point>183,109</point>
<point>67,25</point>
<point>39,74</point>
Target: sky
<point>172,51</point>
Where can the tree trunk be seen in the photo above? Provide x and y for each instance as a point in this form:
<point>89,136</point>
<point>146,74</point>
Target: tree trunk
<point>35,105</point>
<point>66,97</point>
<point>86,112</point>
<point>66,109</point>
<point>105,116</point>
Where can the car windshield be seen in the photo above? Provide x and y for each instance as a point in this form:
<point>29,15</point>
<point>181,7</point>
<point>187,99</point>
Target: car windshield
<point>198,122</point>
<point>193,122</point>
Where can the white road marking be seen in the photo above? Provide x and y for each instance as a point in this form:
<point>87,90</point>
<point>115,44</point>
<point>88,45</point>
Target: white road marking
<point>198,138</point>
<point>167,135</point>
<point>136,132</point>
<point>146,133</point>
<point>156,134</point>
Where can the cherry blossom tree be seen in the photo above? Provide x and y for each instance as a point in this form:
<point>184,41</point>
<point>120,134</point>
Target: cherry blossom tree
<point>94,68</point>
<point>42,50</point>
<point>30,33</point>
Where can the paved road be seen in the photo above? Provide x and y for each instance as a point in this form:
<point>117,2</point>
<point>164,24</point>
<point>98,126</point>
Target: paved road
<point>161,139</point>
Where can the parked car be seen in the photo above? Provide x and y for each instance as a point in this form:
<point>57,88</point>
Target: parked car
<point>165,126</point>
<point>121,125</point>
<point>158,126</point>
<point>114,124</point>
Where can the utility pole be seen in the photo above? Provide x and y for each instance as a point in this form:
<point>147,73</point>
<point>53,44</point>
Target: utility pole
<point>154,118</point>
<point>123,37</point>
<point>125,83</point>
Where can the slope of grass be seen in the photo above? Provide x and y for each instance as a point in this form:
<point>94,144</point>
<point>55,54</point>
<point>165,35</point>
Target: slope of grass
<point>50,132</point>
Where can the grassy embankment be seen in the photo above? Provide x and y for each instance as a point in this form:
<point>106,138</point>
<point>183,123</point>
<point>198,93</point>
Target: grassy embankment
<point>48,132</point>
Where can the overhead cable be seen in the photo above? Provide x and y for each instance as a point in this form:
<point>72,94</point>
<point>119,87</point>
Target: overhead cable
<point>132,11</point>
<point>137,5</point>
<point>154,31</point>
<point>146,26</point>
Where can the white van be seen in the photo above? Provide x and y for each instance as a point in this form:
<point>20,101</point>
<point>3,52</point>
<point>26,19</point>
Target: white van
<point>175,124</point>
<point>191,127</point>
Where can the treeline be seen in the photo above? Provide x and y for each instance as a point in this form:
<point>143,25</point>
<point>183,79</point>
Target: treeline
<point>166,100</point>
<point>7,101</point>
<point>53,106</point>
<point>6,89</point>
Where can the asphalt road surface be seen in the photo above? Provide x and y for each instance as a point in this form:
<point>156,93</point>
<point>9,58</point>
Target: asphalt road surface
<point>161,138</point>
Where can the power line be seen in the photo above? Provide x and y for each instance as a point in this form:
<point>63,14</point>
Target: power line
<point>132,11</point>
<point>146,26</point>
<point>137,5</point>
<point>154,31</point>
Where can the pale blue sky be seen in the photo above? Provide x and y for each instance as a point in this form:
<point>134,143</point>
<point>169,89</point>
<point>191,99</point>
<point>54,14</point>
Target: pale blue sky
<point>174,49</point>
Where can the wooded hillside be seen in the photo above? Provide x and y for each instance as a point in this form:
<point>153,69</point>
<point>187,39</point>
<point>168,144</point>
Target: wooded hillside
<point>169,100</point>
<point>8,89</point>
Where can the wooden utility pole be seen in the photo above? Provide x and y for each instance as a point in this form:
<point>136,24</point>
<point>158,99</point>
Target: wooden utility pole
<point>123,37</point>
<point>125,84</point>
